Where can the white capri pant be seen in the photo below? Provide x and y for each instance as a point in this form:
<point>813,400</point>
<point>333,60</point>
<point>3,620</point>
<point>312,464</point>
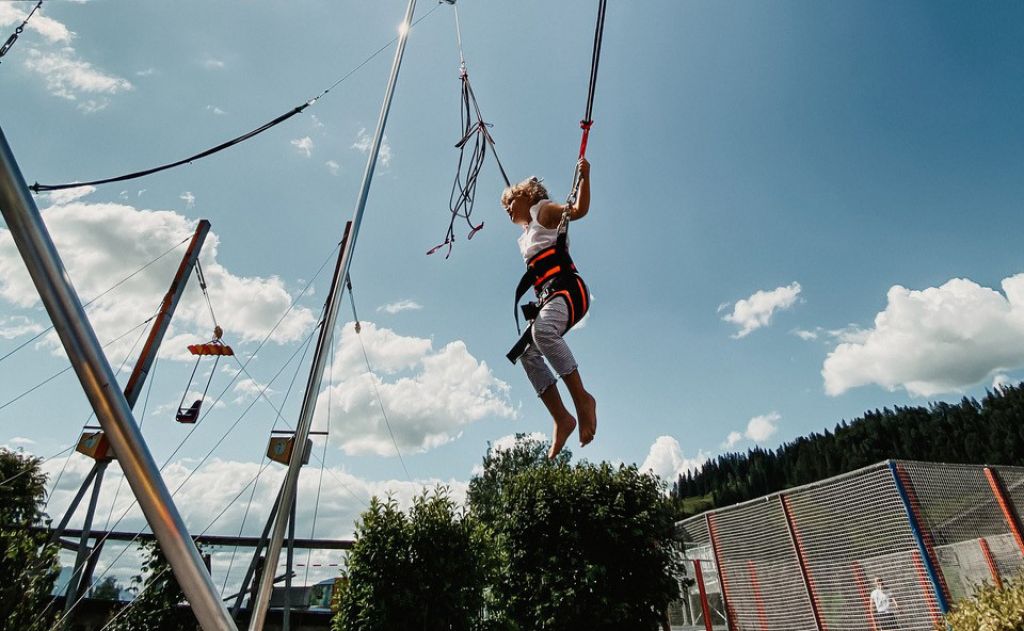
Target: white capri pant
<point>548,328</point>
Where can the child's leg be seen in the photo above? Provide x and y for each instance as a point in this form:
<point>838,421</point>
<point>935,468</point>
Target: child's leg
<point>548,328</point>
<point>547,389</point>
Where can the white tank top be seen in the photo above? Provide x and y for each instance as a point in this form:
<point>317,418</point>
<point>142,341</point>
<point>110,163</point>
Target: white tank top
<point>536,237</point>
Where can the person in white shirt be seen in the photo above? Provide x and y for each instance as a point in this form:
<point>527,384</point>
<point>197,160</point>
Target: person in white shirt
<point>544,247</point>
<point>884,607</point>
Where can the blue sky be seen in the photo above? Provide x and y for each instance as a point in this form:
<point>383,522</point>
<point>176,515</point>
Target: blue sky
<point>800,211</point>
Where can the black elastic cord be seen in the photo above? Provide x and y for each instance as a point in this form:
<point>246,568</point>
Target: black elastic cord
<point>595,59</point>
<point>39,188</point>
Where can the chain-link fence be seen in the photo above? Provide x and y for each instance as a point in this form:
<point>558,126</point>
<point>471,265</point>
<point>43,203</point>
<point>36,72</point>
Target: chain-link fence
<point>886,547</point>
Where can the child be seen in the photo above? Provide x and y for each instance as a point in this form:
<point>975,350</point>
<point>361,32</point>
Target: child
<point>562,301</point>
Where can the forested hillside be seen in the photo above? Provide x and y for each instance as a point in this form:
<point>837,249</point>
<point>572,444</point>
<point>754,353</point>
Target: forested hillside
<point>988,431</point>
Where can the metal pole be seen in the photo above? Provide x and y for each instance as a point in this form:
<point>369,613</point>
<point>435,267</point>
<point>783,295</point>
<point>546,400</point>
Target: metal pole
<point>83,349</point>
<point>255,563</point>
<point>324,342</point>
<point>163,318</point>
<point>59,530</point>
<point>75,583</point>
<point>286,615</point>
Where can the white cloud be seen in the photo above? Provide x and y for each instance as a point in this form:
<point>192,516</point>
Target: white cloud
<point>505,443</point>
<point>1000,381</point>
<point>756,311</point>
<point>304,145</point>
<point>732,440</point>
<point>100,243</point>
<point>759,430</point>
<point>398,307</point>
<point>213,64</point>
<point>940,339</point>
<point>148,72</point>
<point>364,142</point>
<point>429,395</point>
<point>333,167</point>
<point>52,30</point>
<point>15,326</point>
<point>215,110</point>
<point>249,389</point>
<point>805,335</point>
<point>72,78</point>
<point>189,199</point>
<point>22,441</point>
<point>666,460</point>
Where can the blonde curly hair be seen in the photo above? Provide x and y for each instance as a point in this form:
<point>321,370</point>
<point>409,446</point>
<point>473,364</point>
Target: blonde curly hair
<point>530,187</point>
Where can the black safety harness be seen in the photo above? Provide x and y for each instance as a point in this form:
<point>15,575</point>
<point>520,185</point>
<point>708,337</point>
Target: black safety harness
<point>552,274</point>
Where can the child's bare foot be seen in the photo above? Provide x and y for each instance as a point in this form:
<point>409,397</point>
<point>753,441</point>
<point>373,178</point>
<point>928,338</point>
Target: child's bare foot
<point>564,427</point>
<point>587,411</point>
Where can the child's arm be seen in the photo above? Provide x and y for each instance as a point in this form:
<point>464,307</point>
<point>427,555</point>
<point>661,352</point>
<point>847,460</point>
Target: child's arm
<point>550,215</point>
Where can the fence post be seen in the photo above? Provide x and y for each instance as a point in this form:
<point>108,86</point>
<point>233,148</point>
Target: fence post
<point>805,573</point>
<point>1004,504</point>
<point>992,567</point>
<point>762,615</point>
<point>862,587</point>
<point>729,614</point>
<point>925,552</point>
<point>704,606</point>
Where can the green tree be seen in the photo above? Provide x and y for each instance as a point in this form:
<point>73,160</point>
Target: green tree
<point>500,467</point>
<point>584,547</point>
<point>28,564</point>
<point>418,571</point>
<point>156,608</point>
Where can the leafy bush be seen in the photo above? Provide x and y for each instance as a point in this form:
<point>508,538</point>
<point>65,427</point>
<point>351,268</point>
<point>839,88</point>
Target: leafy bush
<point>583,547</point>
<point>990,609</point>
<point>28,565</point>
<point>417,571</point>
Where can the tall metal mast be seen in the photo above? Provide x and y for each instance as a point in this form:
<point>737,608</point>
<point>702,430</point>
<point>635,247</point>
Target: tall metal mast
<point>288,489</point>
<point>115,417</point>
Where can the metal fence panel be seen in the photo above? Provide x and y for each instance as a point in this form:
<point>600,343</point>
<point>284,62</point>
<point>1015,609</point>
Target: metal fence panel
<point>758,567</point>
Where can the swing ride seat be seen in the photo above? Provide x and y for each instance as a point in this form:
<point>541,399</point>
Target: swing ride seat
<point>189,414</point>
<point>215,347</point>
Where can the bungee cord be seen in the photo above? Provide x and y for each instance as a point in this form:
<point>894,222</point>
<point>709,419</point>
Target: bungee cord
<point>39,188</point>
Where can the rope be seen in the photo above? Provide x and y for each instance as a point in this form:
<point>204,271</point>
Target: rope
<point>58,374</point>
<point>104,293</point>
<point>202,285</point>
<point>467,173</point>
<point>373,380</point>
<point>18,31</point>
<point>39,188</point>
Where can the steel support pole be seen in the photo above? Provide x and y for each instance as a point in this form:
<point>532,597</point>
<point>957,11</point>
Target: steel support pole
<point>322,353</point>
<point>75,583</point>
<point>86,483</point>
<point>286,615</point>
<point>163,318</point>
<point>100,386</point>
